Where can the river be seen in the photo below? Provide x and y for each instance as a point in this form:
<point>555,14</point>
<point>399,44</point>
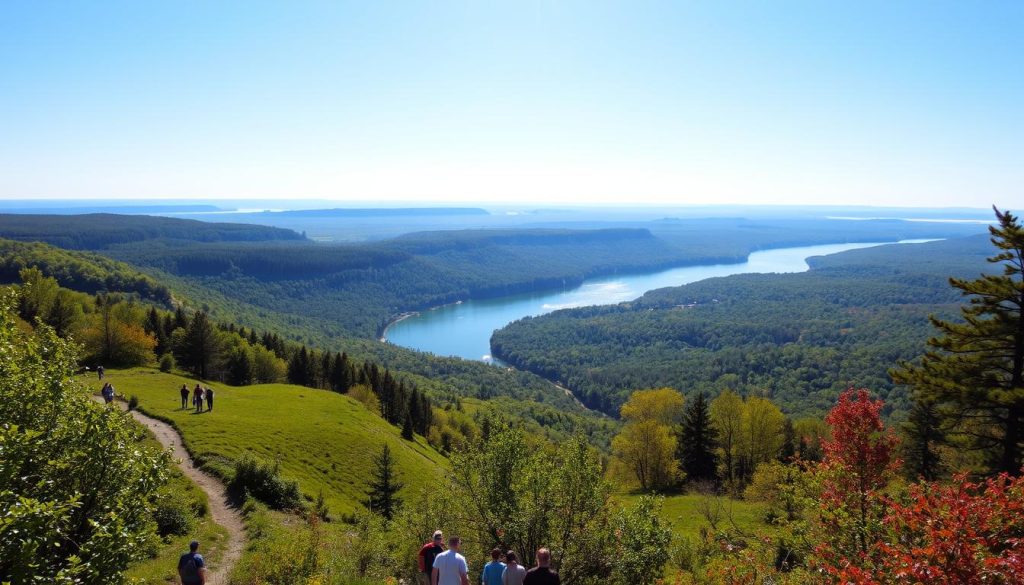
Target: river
<point>464,329</point>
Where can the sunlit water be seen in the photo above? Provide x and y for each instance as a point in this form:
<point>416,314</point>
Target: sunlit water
<point>465,329</point>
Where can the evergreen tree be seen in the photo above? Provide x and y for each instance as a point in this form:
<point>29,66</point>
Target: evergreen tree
<point>788,451</point>
<point>341,373</point>
<point>384,487</point>
<point>240,370</point>
<point>407,430</point>
<point>698,441</point>
<point>200,348</point>
<point>923,435</point>
<point>974,371</point>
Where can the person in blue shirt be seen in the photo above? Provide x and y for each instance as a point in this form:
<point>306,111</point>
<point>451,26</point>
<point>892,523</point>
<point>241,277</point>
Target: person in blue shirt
<point>191,566</point>
<point>493,570</point>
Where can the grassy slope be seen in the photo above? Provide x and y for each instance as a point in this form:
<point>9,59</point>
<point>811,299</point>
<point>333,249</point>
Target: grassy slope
<point>322,439</point>
<point>683,514</point>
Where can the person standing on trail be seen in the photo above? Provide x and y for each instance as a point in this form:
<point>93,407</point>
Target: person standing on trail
<point>493,570</point>
<point>209,399</point>
<point>514,572</point>
<point>99,371</point>
<point>191,566</point>
<point>425,558</point>
<point>197,398</point>
<point>542,573</point>
<point>108,393</point>
<point>450,567</point>
<point>184,396</point>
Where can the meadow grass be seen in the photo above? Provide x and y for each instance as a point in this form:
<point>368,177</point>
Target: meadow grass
<point>324,440</point>
<point>683,514</point>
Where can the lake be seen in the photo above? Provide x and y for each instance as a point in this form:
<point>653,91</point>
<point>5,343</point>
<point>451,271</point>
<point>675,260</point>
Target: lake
<point>464,329</point>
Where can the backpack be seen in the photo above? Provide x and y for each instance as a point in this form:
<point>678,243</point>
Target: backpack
<point>189,569</point>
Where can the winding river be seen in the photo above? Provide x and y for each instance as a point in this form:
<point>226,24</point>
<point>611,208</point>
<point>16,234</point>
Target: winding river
<point>464,329</point>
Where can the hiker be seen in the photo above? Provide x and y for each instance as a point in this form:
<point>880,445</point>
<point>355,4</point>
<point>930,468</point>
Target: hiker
<point>542,573</point>
<point>197,398</point>
<point>209,399</point>
<point>184,396</point>
<point>514,572</point>
<point>493,570</point>
<point>99,371</point>
<point>428,552</point>
<point>108,393</point>
<point>191,566</point>
<point>450,567</point>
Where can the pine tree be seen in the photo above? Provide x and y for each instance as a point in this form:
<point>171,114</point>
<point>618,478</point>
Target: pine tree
<point>407,430</point>
<point>788,451</point>
<point>698,442</point>
<point>974,371</point>
<point>201,347</point>
<point>383,494</point>
<point>923,434</point>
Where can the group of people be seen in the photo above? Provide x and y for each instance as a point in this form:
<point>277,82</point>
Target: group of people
<point>440,566</point>
<point>198,395</point>
<point>107,392</point>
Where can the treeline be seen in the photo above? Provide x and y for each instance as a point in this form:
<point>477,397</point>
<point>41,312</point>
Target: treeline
<point>666,444</point>
<point>98,231</point>
<point>79,271</point>
<point>798,338</point>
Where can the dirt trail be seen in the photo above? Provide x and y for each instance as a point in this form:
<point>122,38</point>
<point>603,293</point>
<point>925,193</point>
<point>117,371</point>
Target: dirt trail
<point>221,511</point>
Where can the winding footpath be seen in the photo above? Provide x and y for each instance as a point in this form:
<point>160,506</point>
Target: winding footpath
<point>220,510</point>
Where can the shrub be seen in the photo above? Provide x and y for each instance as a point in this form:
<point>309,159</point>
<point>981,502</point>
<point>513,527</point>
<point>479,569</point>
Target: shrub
<point>167,363</point>
<point>173,515</point>
<point>262,481</point>
<point>133,402</point>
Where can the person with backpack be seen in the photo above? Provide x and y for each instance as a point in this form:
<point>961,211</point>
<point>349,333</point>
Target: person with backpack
<point>191,566</point>
<point>184,396</point>
<point>108,393</point>
<point>197,398</point>
<point>209,399</point>
<point>428,552</point>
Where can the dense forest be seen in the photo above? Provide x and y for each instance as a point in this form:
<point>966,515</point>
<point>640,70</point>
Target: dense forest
<point>97,231</point>
<point>358,289</point>
<point>799,338</point>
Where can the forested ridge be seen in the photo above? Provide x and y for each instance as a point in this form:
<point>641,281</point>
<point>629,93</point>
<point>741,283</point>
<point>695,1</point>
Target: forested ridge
<point>360,288</point>
<point>97,231</point>
<point>799,338</point>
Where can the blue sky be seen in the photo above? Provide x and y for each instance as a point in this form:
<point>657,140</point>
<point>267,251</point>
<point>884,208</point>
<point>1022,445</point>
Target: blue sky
<point>869,103</point>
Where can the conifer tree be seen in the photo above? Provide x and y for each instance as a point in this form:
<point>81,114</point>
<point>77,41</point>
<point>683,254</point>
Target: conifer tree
<point>974,371</point>
<point>698,442</point>
<point>407,430</point>
<point>201,347</point>
<point>383,494</point>
<point>923,434</point>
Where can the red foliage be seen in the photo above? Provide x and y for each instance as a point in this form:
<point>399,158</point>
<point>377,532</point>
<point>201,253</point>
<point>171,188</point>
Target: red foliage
<point>964,532</point>
<point>858,462</point>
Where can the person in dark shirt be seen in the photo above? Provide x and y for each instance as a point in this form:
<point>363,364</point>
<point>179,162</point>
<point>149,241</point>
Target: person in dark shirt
<point>191,566</point>
<point>184,396</point>
<point>542,573</point>
<point>209,399</point>
<point>427,555</point>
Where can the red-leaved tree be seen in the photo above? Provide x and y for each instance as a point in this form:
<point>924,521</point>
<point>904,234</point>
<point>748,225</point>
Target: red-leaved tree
<point>965,532</point>
<point>858,462</point>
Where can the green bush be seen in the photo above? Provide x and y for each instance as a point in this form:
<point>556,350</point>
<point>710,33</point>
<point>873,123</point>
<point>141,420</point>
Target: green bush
<point>174,515</point>
<point>133,402</point>
<point>167,362</point>
<point>262,481</point>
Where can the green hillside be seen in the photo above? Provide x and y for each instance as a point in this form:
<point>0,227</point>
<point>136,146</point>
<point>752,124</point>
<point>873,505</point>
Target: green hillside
<point>322,439</point>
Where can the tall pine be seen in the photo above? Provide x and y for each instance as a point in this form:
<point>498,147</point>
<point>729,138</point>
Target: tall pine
<point>973,370</point>
<point>698,441</point>
<point>383,493</point>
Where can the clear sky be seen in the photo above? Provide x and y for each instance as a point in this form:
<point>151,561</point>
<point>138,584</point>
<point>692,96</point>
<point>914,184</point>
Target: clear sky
<point>870,103</point>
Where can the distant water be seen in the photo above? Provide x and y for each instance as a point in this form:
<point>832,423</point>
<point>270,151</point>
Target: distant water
<point>465,329</point>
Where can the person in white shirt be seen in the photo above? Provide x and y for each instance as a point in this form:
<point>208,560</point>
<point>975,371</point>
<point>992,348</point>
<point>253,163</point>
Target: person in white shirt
<point>514,572</point>
<point>450,567</point>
